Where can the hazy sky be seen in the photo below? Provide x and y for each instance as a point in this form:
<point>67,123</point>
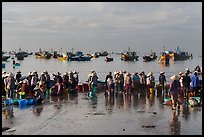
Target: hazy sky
<point>96,26</point>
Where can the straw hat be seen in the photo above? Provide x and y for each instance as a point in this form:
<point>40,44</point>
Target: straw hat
<point>94,74</point>
<point>150,73</point>
<point>32,73</point>
<point>174,77</point>
<point>180,73</point>
<point>128,74</point>
<point>24,81</point>
<point>58,73</point>
<point>3,72</point>
<point>19,71</point>
<point>36,88</point>
<point>92,70</point>
<point>29,73</point>
<point>195,72</point>
<point>45,72</point>
<point>162,72</point>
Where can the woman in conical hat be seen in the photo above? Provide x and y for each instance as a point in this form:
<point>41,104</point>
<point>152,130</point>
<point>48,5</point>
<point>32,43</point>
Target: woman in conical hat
<point>174,91</point>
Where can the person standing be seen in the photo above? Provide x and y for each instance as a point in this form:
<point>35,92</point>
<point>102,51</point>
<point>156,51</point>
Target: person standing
<point>186,85</point>
<point>174,91</point>
<point>109,83</point>
<point>136,81</point>
<point>128,83</point>
<point>94,81</point>
<point>194,83</point>
<point>18,76</point>
<point>162,80</point>
<point>11,85</point>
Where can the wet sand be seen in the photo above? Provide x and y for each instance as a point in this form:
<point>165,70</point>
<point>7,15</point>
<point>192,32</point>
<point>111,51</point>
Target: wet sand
<point>119,115</point>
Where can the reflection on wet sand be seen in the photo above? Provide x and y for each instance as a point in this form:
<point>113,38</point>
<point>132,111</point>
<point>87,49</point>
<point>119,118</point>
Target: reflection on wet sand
<point>111,104</point>
<point>37,110</point>
<point>175,123</point>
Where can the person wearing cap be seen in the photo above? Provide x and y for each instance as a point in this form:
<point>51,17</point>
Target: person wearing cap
<point>162,80</point>
<point>174,91</point>
<point>194,84</point>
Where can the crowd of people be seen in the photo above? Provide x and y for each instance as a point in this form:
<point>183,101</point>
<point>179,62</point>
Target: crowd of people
<point>183,85</point>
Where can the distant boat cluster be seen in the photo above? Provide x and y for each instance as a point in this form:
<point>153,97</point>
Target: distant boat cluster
<point>128,55</point>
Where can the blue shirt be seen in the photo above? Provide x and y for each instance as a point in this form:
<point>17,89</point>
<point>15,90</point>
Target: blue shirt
<point>194,81</point>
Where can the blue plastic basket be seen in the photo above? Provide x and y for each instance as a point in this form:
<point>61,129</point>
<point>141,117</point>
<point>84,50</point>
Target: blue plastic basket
<point>35,101</point>
<point>30,101</point>
<point>22,102</point>
<point>8,101</point>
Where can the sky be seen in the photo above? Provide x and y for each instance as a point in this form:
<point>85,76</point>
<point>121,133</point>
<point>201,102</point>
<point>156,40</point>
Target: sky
<point>97,26</point>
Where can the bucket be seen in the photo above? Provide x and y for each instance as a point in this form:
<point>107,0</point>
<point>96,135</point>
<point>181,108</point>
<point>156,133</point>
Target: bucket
<point>159,88</point>
<point>151,90</point>
<point>22,95</point>
<point>30,101</point>
<point>85,87</point>
<point>95,89</point>
<point>79,87</point>
<point>22,102</point>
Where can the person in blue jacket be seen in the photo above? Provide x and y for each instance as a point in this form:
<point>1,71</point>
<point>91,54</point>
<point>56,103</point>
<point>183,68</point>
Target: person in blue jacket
<point>194,83</point>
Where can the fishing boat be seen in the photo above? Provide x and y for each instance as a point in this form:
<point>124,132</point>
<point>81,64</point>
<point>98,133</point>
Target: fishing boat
<point>129,55</point>
<point>179,55</point>
<point>151,57</point>
<point>62,56</point>
<point>79,56</point>
<point>108,59</point>
<point>5,58</point>
<point>164,58</point>
<point>103,53</point>
<point>20,55</point>
<point>43,55</point>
